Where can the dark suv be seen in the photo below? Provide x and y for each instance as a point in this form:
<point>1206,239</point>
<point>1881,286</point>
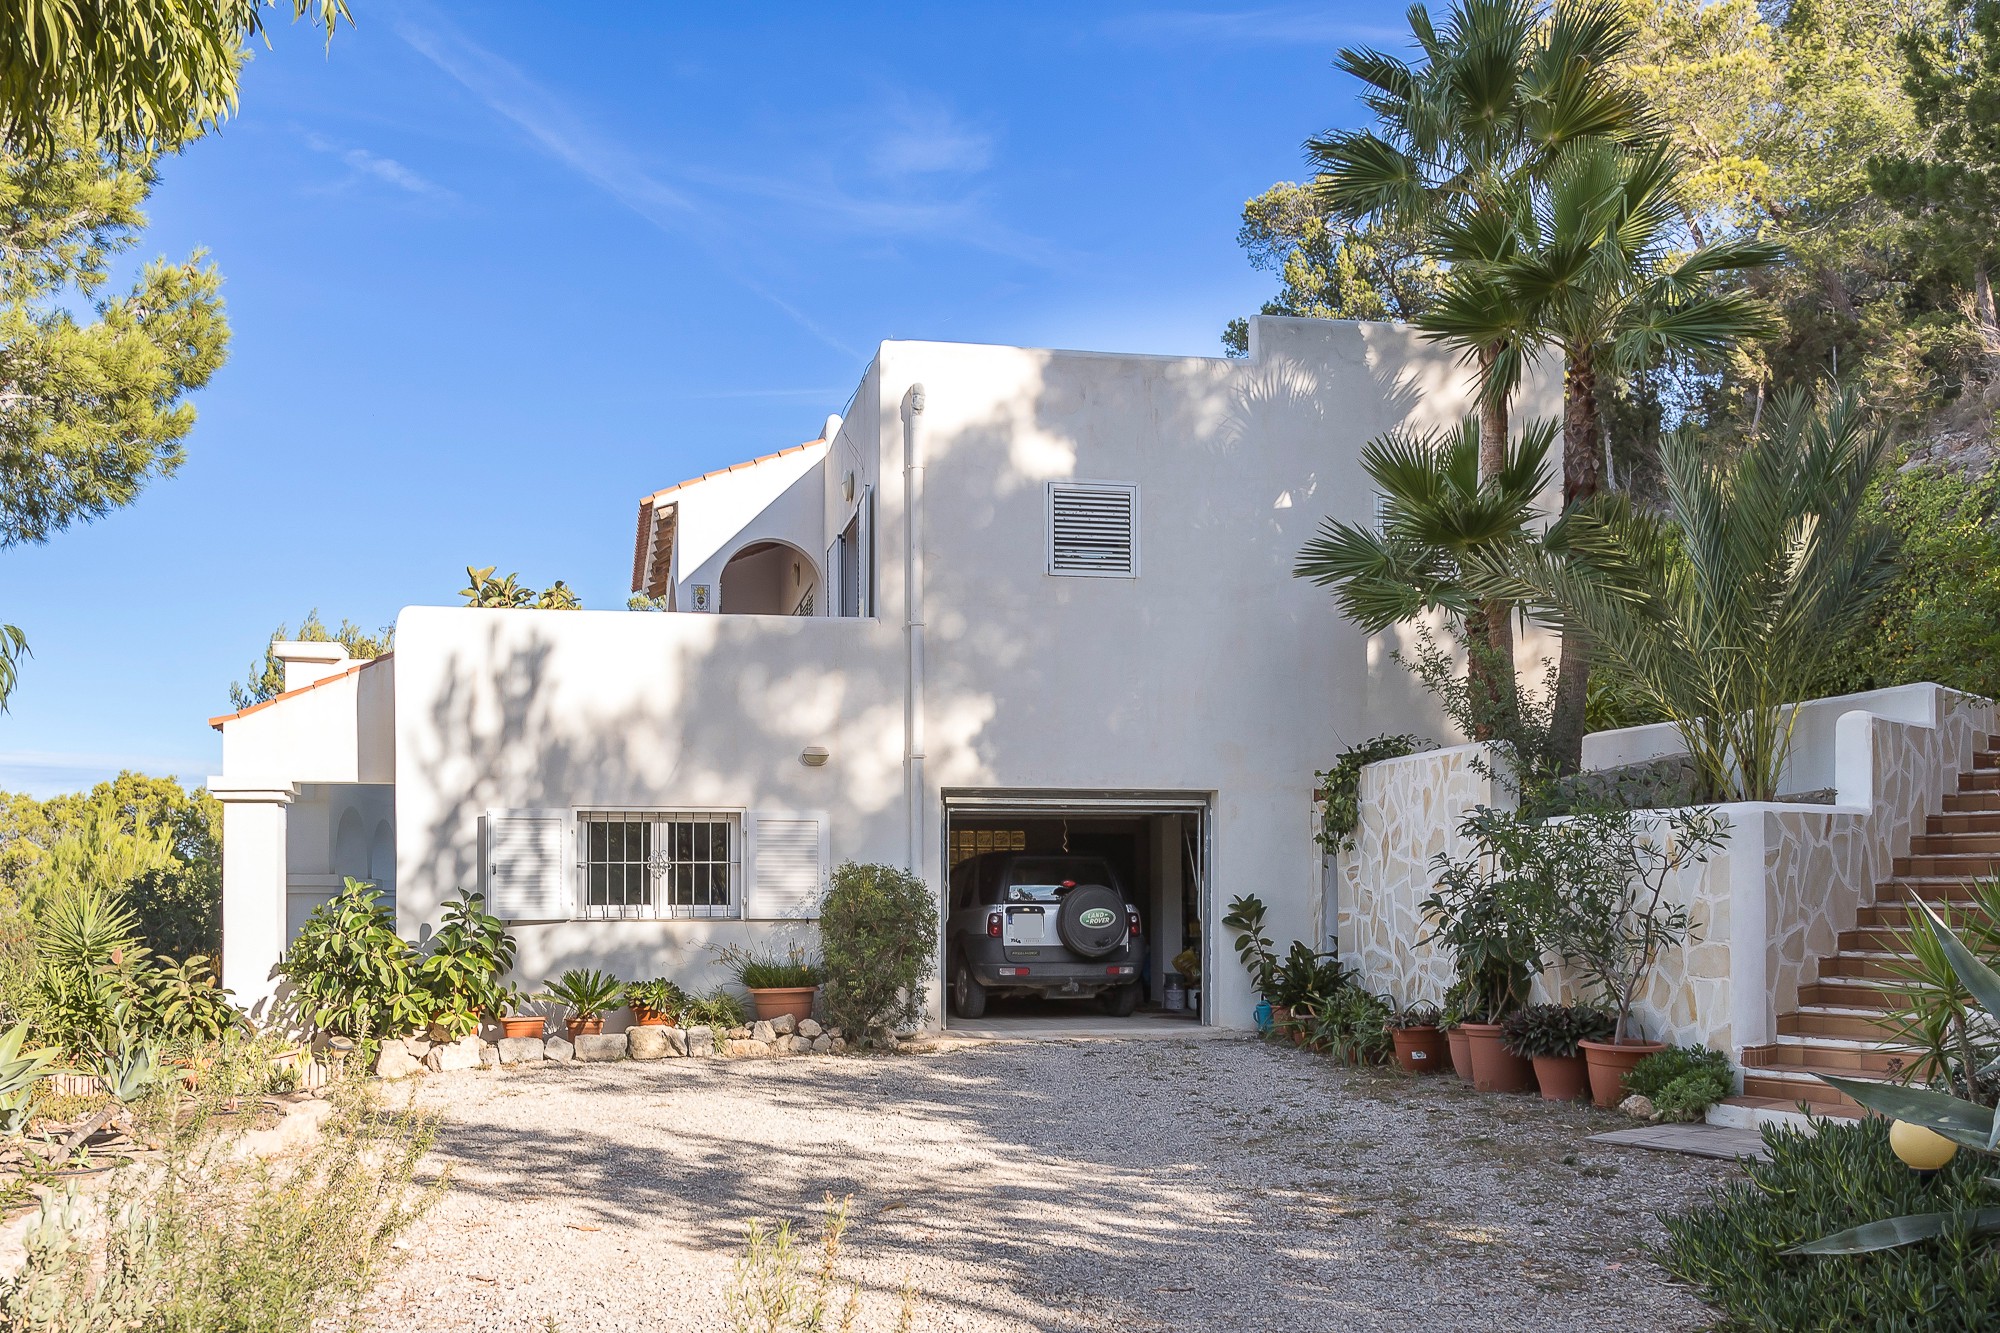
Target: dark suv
<point>1062,927</point>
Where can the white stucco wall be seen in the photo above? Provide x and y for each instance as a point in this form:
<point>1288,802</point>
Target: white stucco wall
<point>778,499</point>
<point>1213,672</point>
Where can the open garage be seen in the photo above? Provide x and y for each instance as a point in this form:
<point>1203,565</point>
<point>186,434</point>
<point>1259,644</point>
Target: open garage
<point>1037,939</point>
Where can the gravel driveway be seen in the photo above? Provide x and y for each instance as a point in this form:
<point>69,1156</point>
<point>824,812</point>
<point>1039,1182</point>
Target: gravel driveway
<point>1139,1185</point>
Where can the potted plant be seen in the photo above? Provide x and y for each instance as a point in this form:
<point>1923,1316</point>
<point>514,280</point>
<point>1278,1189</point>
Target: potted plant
<point>1353,1024</point>
<point>509,1003</point>
<point>588,995</point>
<point>787,985</point>
<point>1420,1044</point>
<point>463,962</point>
<point>1451,1022</point>
<point>1547,1035</point>
<point>1246,918</point>
<point>1479,913</point>
<point>655,1003</point>
<point>1298,988</point>
<point>1609,918</point>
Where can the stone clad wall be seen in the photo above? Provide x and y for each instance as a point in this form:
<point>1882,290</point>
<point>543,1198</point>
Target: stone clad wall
<point>1767,904</point>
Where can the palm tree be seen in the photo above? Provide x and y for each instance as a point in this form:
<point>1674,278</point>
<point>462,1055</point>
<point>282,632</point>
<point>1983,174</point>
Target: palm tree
<point>1438,512</point>
<point>1588,261</point>
<point>1724,614</point>
<point>1503,88</point>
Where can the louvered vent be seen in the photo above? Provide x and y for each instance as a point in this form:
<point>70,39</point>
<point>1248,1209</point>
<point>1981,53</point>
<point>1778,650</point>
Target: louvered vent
<point>787,863</point>
<point>1093,529</point>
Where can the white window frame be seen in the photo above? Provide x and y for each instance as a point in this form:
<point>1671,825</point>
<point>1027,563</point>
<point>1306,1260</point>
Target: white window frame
<point>1129,489</point>
<point>657,908</point>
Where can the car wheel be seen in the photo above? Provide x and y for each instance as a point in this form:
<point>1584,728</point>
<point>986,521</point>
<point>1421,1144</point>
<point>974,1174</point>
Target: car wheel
<point>1120,1001</point>
<point>968,997</point>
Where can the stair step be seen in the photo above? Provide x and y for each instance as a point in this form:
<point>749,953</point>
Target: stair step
<point>1958,865</point>
<point>1783,1087</point>
<point>1968,822</point>
<point>1749,1112</point>
<point>1824,1021</point>
<point>1971,801</point>
<point>1848,1058</point>
<point>1847,993</point>
<point>1846,966</point>
<point>1956,843</point>
<point>1933,888</point>
<point>1986,779</point>
<point>1986,759</point>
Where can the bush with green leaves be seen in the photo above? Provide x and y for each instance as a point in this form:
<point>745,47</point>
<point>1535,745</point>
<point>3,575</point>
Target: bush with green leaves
<point>1306,980</point>
<point>659,995</point>
<point>1554,1029</point>
<point>1479,914</point>
<point>463,962</point>
<point>1352,1023</point>
<point>1682,1082</point>
<point>350,974</point>
<point>586,992</point>
<point>1339,787</point>
<point>1736,1249</point>
<point>718,1009</point>
<point>765,969</point>
<point>878,931</point>
<point>209,1240</point>
<point>1245,919</point>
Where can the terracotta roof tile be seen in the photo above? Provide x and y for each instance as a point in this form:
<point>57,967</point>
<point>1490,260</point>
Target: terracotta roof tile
<point>217,722</point>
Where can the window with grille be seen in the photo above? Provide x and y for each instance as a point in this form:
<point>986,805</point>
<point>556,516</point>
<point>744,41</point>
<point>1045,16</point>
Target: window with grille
<point>660,864</point>
<point>967,843</point>
<point>1094,529</point>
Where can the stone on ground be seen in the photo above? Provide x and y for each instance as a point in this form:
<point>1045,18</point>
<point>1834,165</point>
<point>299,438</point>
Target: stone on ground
<point>521,1050</point>
<point>555,1048</point>
<point>600,1046</point>
<point>656,1043</point>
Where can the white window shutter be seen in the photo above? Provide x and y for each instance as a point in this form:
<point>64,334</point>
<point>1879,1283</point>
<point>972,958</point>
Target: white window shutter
<point>787,870</point>
<point>1094,529</point>
<point>526,872</point>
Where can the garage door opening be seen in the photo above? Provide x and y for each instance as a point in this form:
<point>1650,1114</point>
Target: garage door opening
<point>1037,939</point>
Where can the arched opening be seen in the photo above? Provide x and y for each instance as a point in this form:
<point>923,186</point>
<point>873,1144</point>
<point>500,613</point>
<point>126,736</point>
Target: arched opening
<point>382,860</point>
<point>770,579</point>
<point>350,846</point>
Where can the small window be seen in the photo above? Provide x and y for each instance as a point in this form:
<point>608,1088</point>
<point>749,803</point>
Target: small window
<point>1094,529</point>
<point>653,865</point>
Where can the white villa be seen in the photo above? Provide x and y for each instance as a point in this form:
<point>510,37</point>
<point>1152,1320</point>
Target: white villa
<point>1009,599</point>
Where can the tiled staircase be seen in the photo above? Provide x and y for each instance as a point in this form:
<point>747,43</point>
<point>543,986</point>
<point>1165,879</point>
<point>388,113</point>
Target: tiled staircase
<point>1840,1025</point>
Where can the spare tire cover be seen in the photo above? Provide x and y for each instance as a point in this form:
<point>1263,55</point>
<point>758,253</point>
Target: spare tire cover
<point>1092,921</point>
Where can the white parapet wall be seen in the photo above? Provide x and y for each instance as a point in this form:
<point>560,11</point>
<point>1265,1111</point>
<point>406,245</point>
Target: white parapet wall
<point>1789,877</point>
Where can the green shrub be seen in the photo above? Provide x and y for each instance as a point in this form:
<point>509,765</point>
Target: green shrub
<point>1731,1248</point>
<point>351,975</point>
<point>463,962</point>
<point>586,992</point>
<point>1351,1023</point>
<point>1554,1029</point>
<point>878,930</point>
<point>659,995</point>
<point>207,1243</point>
<point>761,970</point>
<point>1340,787</point>
<point>718,1009</point>
<point>1682,1081</point>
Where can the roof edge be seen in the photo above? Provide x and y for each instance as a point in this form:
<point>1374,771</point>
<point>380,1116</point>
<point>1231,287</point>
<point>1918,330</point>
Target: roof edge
<point>217,722</point>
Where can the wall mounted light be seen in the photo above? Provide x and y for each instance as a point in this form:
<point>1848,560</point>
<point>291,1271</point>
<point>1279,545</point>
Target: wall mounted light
<point>847,487</point>
<point>813,756</point>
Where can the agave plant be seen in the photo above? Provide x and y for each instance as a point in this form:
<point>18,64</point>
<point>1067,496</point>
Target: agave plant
<point>586,992</point>
<point>18,1074</point>
<point>1964,1122</point>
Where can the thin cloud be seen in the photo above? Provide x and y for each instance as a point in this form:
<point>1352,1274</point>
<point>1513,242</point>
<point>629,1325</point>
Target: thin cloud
<point>926,140</point>
<point>564,136</point>
<point>364,165</point>
<point>1291,25</point>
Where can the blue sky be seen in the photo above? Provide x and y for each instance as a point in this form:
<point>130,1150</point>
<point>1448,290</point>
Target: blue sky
<point>495,271</point>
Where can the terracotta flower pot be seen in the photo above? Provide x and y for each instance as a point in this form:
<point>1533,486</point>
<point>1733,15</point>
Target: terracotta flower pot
<point>794,1000</point>
<point>650,1018</point>
<point>523,1025</point>
<point>1461,1052</point>
<point>1494,1067</point>
<point>1563,1078</point>
<point>1420,1050</point>
<point>1610,1062</point>
<point>583,1027</point>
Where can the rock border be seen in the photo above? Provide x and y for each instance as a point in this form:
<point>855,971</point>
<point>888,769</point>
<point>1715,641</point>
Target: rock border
<point>401,1057</point>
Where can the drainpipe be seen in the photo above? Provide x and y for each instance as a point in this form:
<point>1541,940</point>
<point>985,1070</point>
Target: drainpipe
<point>913,622</point>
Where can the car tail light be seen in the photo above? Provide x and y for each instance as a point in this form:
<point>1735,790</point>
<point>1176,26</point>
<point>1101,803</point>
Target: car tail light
<point>1013,971</point>
<point>993,925</point>
<point>1119,971</point>
<point>1132,922</point>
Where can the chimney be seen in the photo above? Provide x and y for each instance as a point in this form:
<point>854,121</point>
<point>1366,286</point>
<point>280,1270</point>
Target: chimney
<point>307,663</point>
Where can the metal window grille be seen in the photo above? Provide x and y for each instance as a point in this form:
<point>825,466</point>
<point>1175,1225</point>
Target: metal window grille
<point>805,606</point>
<point>656,865</point>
